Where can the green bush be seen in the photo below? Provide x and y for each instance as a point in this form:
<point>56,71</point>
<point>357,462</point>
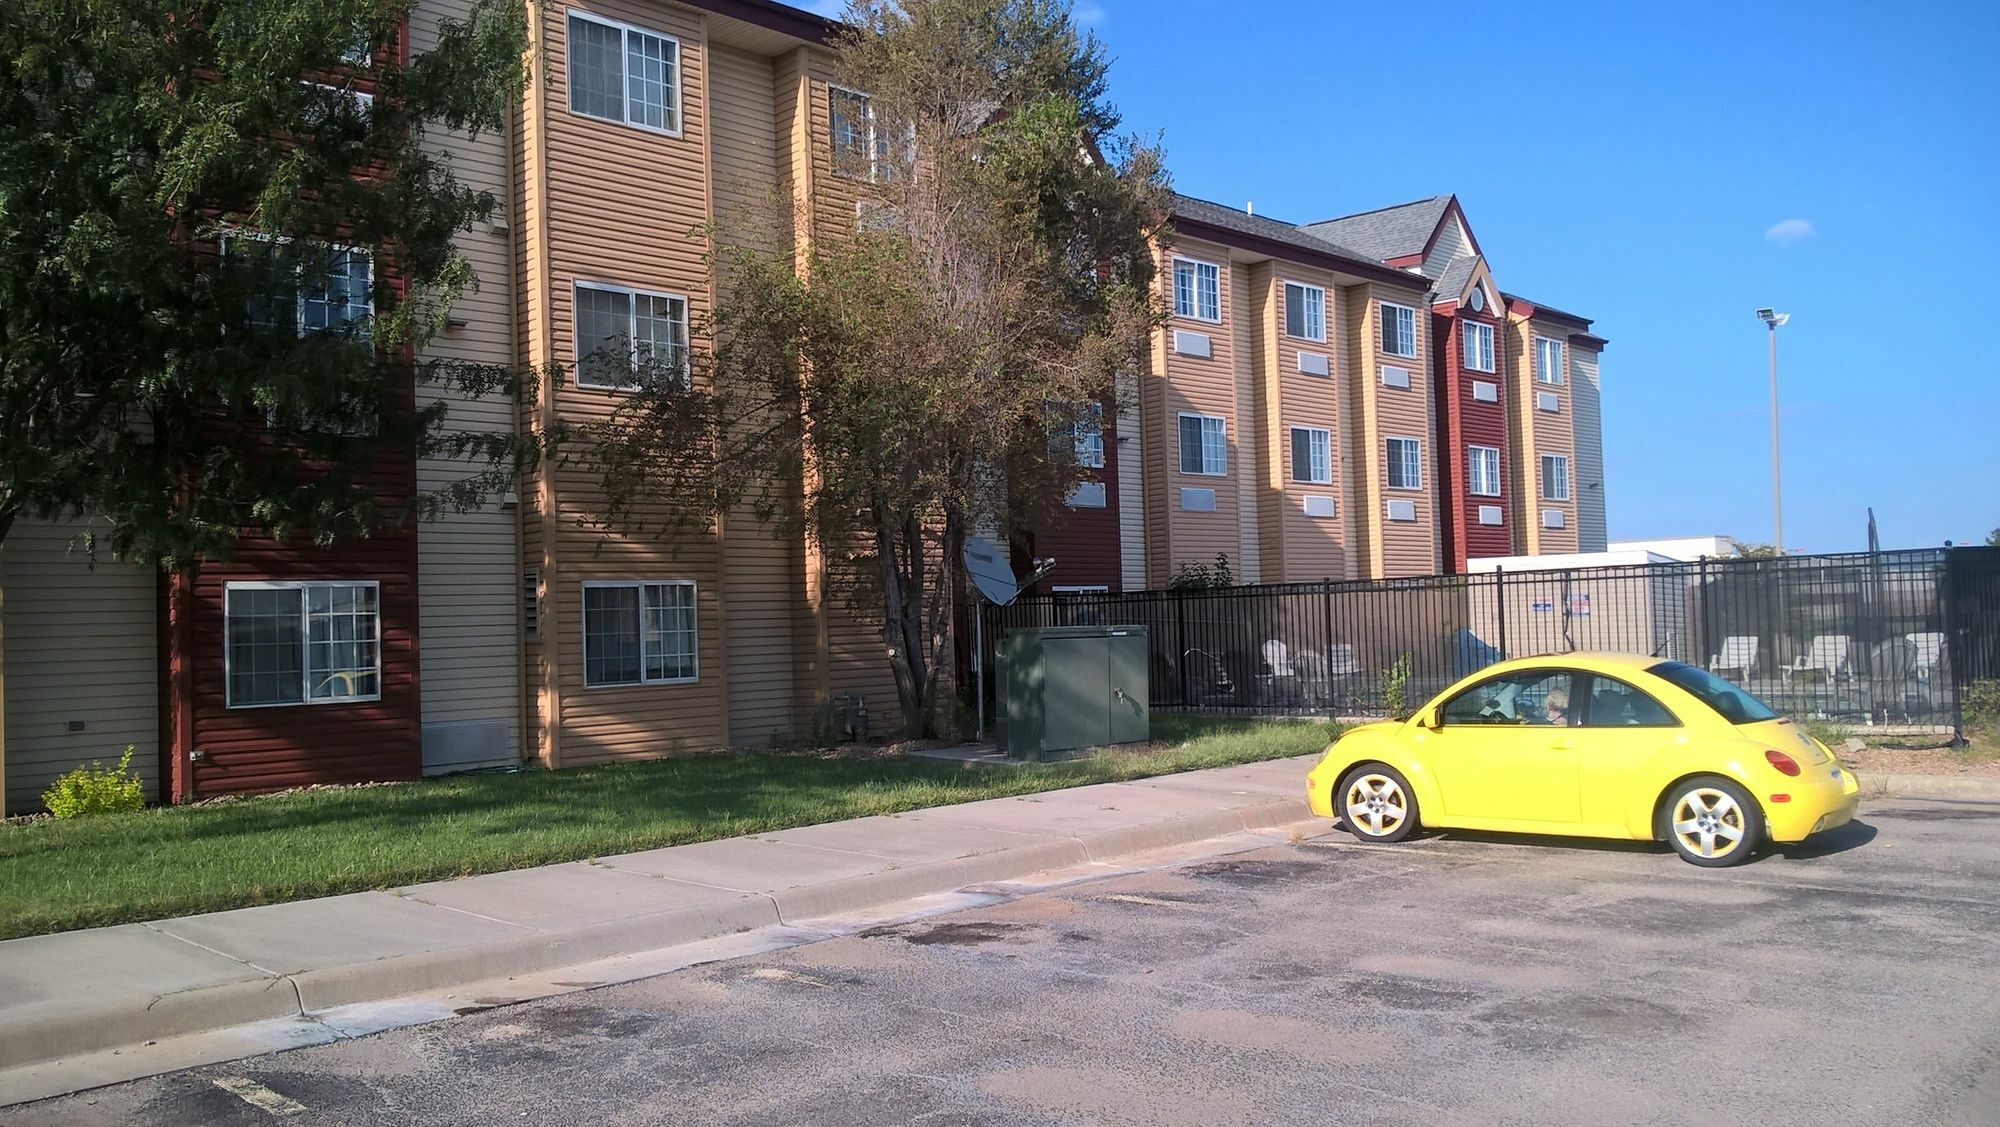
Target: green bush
<point>96,789</point>
<point>1396,687</point>
<point>1981,705</point>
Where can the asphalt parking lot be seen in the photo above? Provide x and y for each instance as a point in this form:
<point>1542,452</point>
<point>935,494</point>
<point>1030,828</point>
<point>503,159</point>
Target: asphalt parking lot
<point>1457,978</point>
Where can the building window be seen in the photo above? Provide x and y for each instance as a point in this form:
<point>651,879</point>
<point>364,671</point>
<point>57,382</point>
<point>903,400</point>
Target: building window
<point>1197,290</point>
<point>1548,360</point>
<point>1312,455</point>
<point>1305,312</point>
<point>1090,438</point>
<point>1482,470</point>
<point>1204,445</point>
<point>1478,346</point>
<point>1555,477</point>
<point>858,147</point>
<point>638,632</point>
<point>1406,463</point>
<point>624,336</point>
<point>302,643</point>
<point>308,299</point>
<point>623,74</point>
<point>1399,329</point>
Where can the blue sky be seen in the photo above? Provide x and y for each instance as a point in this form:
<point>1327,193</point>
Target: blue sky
<point>1664,169</point>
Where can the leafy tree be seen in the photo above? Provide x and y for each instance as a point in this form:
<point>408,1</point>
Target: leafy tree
<point>922,376</point>
<point>188,345</point>
<point>1993,538</point>
<point>1753,551</point>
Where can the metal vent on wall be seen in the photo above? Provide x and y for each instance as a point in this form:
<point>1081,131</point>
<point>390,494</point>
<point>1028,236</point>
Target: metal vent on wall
<point>1395,377</point>
<point>1547,401</point>
<point>1485,392</point>
<point>1402,510</point>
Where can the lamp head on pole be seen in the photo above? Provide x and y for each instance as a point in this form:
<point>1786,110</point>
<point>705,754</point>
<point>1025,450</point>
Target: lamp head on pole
<point>1772,317</point>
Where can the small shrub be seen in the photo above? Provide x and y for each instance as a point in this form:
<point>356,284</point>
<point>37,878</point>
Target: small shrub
<point>96,789</point>
<point>1396,686</point>
<point>1201,577</point>
<point>1981,705</point>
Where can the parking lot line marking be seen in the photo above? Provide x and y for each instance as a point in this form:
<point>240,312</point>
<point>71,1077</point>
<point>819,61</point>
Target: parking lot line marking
<point>1151,902</point>
<point>258,1096</point>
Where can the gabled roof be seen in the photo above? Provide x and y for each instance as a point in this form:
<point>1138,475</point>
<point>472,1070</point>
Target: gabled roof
<point>1389,232</point>
<point>1204,219</point>
<point>1451,284</point>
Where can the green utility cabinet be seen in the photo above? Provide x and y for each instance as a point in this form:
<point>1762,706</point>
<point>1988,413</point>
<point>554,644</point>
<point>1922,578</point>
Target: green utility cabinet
<point>1073,687</point>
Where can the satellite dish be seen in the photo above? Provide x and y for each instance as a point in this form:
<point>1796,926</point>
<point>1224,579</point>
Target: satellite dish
<point>986,562</point>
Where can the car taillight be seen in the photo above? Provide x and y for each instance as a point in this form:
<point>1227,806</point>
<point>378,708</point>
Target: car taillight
<point>1782,762</point>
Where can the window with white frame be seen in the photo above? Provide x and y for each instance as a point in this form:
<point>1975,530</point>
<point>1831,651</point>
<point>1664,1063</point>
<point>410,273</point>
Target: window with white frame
<point>1478,346</point>
<point>624,74</point>
<point>1548,360</point>
<point>1089,437</point>
<point>1482,470</point>
<point>1399,329</point>
<point>859,149</point>
<point>331,289</point>
<point>1312,455</point>
<point>1555,477</point>
<point>1305,311</point>
<point>1406,463</point>
<point>302,642</point>
<point>621,334</point>
<point>1197,290</point>
<point>1204,445</point>
<point>638,632</point>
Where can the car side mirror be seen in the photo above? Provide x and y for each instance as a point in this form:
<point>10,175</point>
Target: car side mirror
<point>1428,719</point>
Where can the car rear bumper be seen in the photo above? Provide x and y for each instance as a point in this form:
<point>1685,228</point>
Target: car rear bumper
<point>1830,801</point>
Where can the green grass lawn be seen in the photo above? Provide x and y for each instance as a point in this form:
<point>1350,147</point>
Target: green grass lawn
<point>152,864</point>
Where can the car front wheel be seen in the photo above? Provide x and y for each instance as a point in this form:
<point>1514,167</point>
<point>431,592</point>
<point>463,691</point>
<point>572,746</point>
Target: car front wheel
<point>1712,822</point>
<point>1376,804</point>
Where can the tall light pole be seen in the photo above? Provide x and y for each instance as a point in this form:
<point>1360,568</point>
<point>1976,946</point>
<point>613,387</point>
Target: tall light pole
<point>1772,319</point>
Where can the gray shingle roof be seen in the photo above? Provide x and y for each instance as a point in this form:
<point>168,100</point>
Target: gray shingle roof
<point>1230,219</point>
<point>1451,283</point>
<point>1551,310</point>
<point>1388,232</point>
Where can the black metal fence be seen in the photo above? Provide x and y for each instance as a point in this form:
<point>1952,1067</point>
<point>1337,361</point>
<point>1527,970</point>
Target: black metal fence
<point>1870,638</point>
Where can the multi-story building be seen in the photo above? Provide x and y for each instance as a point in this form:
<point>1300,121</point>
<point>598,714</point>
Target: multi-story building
<point>1348,399</point>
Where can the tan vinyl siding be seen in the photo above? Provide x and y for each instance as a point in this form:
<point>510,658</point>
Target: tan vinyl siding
<point>1248,310</point>
<point>1591,535</point>
<point>762,578</point>
<point>1534,432</point>
<point>1453,242</point>
<point>1404,547</point>
<point>469,594</point>
<point>81,645</point>
<point>1358,458</point>
<point>1311,547</point>
<point>1130,450</point>
<point>631,220</point>
<point>1205,386</point>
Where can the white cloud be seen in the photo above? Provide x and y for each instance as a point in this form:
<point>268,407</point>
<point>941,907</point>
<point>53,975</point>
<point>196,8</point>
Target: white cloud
<point>1788,231</point>
<point>1088,14</point>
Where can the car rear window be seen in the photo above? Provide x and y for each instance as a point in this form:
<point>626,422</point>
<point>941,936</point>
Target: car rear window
<point>1734,705</point>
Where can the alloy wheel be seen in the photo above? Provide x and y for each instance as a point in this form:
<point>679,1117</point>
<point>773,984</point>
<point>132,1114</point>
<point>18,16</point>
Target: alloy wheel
<point>1376,804</point>
<point>1708,823</point>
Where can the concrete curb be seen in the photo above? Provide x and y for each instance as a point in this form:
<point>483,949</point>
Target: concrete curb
<point>1930,786</point>
<point>108,1026</point>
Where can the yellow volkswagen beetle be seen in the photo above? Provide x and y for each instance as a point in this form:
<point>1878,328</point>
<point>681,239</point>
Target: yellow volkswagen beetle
<point>1590,745</point>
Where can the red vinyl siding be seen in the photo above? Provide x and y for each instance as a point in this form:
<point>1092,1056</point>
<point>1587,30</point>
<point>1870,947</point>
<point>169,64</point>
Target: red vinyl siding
<point>1464,422</point>
<point>1085,542</point>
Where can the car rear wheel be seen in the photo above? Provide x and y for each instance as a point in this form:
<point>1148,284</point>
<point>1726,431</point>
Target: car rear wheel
<point>1376,804</point>
<point>1712,822</point>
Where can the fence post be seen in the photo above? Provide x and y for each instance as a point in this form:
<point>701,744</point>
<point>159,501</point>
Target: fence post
<point>1950,660</point>
<point>1500,600</point>
<point>1326,650</point>
<point>1180,644</point>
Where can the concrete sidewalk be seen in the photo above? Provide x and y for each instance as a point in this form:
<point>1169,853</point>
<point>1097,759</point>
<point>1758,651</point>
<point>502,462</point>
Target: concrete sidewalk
<point>76,993</point>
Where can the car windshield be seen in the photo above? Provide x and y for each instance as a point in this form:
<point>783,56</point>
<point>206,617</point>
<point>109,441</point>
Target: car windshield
<point>1735,705</point>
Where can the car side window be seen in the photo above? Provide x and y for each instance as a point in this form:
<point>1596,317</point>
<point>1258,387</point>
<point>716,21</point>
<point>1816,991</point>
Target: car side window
<point>1615,704</point>
<point>1537,697</point>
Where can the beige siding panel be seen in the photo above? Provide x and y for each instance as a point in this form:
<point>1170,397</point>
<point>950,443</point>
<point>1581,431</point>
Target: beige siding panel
<point>1133,440</point>
<point>1361,459</point>
<point>81,646</point>
<point>1205,386</point>
<point>1546,433</point>
<point>1591,535</point>
<point>469,578</point>
<point>762,580</point>
<point>1312,548</point>
<point>1249,310</point>
<point>1405,548</point>
<point>1452,242</point>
